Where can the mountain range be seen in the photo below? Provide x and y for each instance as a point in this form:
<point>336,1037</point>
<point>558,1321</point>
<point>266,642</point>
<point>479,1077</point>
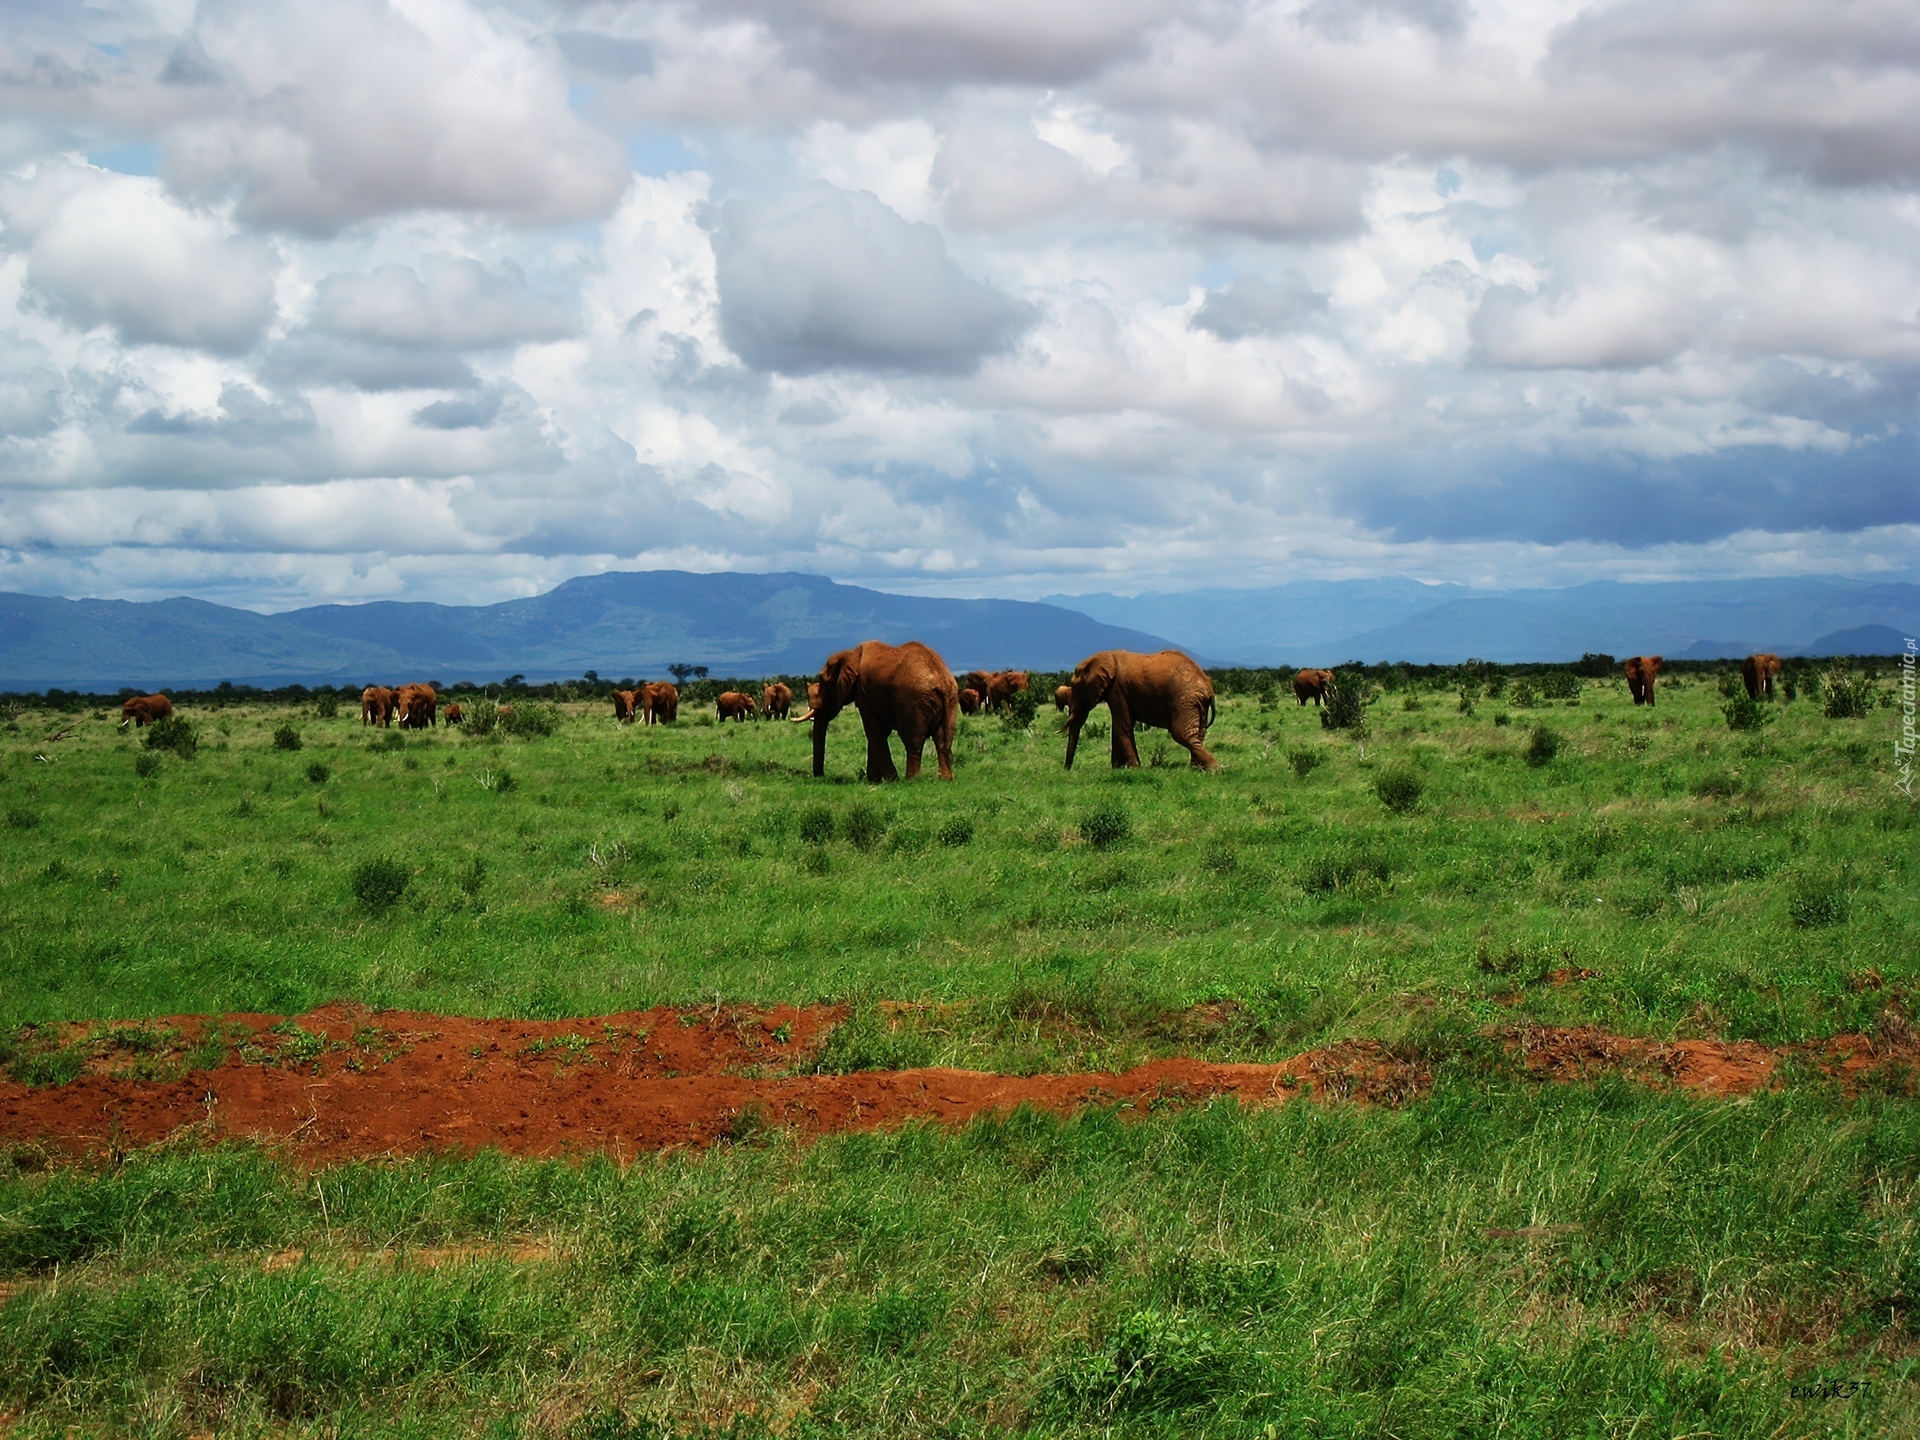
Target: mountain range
<point>1325,622</point>
<point>620,624</point>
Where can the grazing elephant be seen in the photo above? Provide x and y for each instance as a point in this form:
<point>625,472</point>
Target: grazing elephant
<point>623,703</point>
<point>376,705</point>
<point>735,706</point>
<point>659,703</point>
<point>454,714</point>
<point>980,682</point>
<point>144,710</point>
<point>415,705</point>
<point>1757,671</point>
<point>1166,689</point>
<point>1642,671</point>
<point>1004,687</point>
<point>894,687</point>
<point>1062,697</point>
<point>776,700</point>
<point>1311,685</point>
<point>969,701</point>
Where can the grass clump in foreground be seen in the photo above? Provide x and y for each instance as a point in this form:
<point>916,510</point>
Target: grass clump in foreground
<point>1466,1264</point>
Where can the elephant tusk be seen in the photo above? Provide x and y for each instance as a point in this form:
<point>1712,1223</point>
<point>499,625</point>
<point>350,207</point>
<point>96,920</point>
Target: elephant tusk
<point>801,719</point>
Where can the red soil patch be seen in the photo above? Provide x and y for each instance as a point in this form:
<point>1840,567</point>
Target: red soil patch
<point>343,1083</point>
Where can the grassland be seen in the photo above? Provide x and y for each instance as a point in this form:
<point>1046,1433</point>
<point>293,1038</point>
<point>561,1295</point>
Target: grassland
<point>1499,1257</point>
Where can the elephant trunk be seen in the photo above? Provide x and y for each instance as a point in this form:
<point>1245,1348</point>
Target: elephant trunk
<point>819,744</point>
<point>1074,722</point>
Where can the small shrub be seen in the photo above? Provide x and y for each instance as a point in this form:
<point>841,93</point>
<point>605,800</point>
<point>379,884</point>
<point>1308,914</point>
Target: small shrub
<point>1524,696</point>
<point>380,883</point>
<point>146,764</point>
<point>1345,867</point>
<point>53,871</point>
<point>1399,789</point>
<point>1502,719</point>
<point>529,720</point>
<point>1305,760</point>
<point>1815,900</point>
<point>108,880</point>
<point>816,825</point>
<point>179,736</point>
<point>1559,685</point>
<point>286,738</point>
<point>1106,826</point>
<point>1744,714</point>
<point>1730,685</point>
<point>1594,666</point>
<point>1849,696</point>
<point>1021,706</point>
<point>957,831</point>
<point>1542,745</point>
<point>1345,707</point>
<point>1155,1363</point>
<point>327,707</point>
<point>865,827</point>
<point>318,773</point>
<point>816,861</point>
<point>1466,700</point>
<point>496,782</point>
<point>480,718</point>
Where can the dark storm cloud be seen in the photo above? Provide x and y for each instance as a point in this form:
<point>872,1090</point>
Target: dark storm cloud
<point>1254,305</point>
<point>1636,502</point>
<point>830,279</point>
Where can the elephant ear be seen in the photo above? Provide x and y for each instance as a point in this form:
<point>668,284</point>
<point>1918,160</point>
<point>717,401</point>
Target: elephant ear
<point>1094,677</point>
<point>838,677</point>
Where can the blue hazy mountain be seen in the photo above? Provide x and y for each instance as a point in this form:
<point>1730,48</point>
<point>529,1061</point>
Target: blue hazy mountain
<point>618,624</point>
<point>1309,622</point>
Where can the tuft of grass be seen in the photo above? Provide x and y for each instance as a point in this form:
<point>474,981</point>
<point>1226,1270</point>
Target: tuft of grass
<point>1305,760</point>
<point>864,827</point>
<point>1399,789</point>
<point>19,818</point>
<point>286,738</point>
<point>1543,744</point>
<point>379,883</point>
<point>816,824</point>
<point>146,764</point>
<point>1106,826</point>
<point>317,773</point>
<point>1816,899</point>
<point>956,831</point>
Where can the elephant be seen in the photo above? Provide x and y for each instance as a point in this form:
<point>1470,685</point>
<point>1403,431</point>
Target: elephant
<point>894,687</point>
<point>735,706</point>
<point>454,714</point>
<point>1166,689</point>
<point>1004,687</point>
<point>776,700</point>
<point>1311,685</point>
<point>980,682</point>
<point>376,705</point>
<point>1757,672</point>
<point>144,710</point>
<point>1642,671</point>
<point>416,705</point>
<point>623,703</point>
<point>1062,697</point>
<point>659,703</point>
<point>969,701</point>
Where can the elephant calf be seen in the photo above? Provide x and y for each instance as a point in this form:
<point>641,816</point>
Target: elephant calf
<point>1166,690</point>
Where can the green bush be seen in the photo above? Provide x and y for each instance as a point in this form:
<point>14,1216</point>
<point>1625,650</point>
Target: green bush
<point>380,883</point>
<point>816,825</point>
<point>179,736</point>
<point>957,831</point>
<point>865,826</point>
<point>286,738</point>
<point>1305,760</point>
<point>479,718</point>
<point>1502,719</point>
<point>1344,867</point>
<point>1524,696</point>
<point>1106,826</point>
<point>1346,703</point>
<point>1560,685</point>
<point>1849,696</point>
<point>1466,700</point>
<point>327,707</point>
<point>146,764</point>
<point>1020,709</point>
<point>529,719</point>
<point>1542,745</point>
<point>1399,789</point>
<point>318,773</point>
<point>1155,1363</point>
<point>1730,685</point>
<point>1744,714</point>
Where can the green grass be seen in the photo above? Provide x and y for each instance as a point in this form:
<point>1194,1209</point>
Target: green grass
<point>1498,1258</point>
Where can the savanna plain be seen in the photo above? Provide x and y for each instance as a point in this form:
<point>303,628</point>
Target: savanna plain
<point>1608,1127</point>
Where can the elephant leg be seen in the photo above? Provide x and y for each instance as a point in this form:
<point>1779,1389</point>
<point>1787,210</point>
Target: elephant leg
<point>1187,730</point>
<point>879,753</point>
<point>1126,755</point>
<point>915,745</point>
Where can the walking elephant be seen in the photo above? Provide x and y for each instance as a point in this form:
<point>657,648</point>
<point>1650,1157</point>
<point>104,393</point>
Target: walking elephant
<point>376,705</point>
<point>1004,686</point>
<point>1642,671</point>
<point>907,688</point>
<point>144,710</point>
<point>623,706</point>
<point>1757,672</point>
<point>735,706</point>
<point>415,705</point>
<point>659,703</point>
<point>969,701</point>
<point>1166,690</point>
<point>1311,685</point>
<point>776,700</point>
<point>453,714</point>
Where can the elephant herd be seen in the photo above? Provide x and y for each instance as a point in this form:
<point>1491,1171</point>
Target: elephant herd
<point>416,707</point>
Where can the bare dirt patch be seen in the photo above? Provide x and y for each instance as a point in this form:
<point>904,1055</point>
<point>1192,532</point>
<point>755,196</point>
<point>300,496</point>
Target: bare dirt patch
<point>342,1082</point>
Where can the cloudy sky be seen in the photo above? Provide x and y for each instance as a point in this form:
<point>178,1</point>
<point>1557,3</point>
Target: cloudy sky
<point>447,300</point>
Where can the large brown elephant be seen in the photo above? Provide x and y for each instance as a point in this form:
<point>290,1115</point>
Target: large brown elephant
<point>1166,690</point>
<point>776,700</point>
<point>659,703</point>
<point>144,710</point>
<point>376,705</point>
<point>735,706</point>
<point>623,704</point>
<point>1642,672</point>
<point>907,688</point>
<point>415,705</point>
<point>1757,672</point>
<point>1004,687</point>
<point>978,681</point>
<point>1311,685</point>
<point>1062,697</point>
